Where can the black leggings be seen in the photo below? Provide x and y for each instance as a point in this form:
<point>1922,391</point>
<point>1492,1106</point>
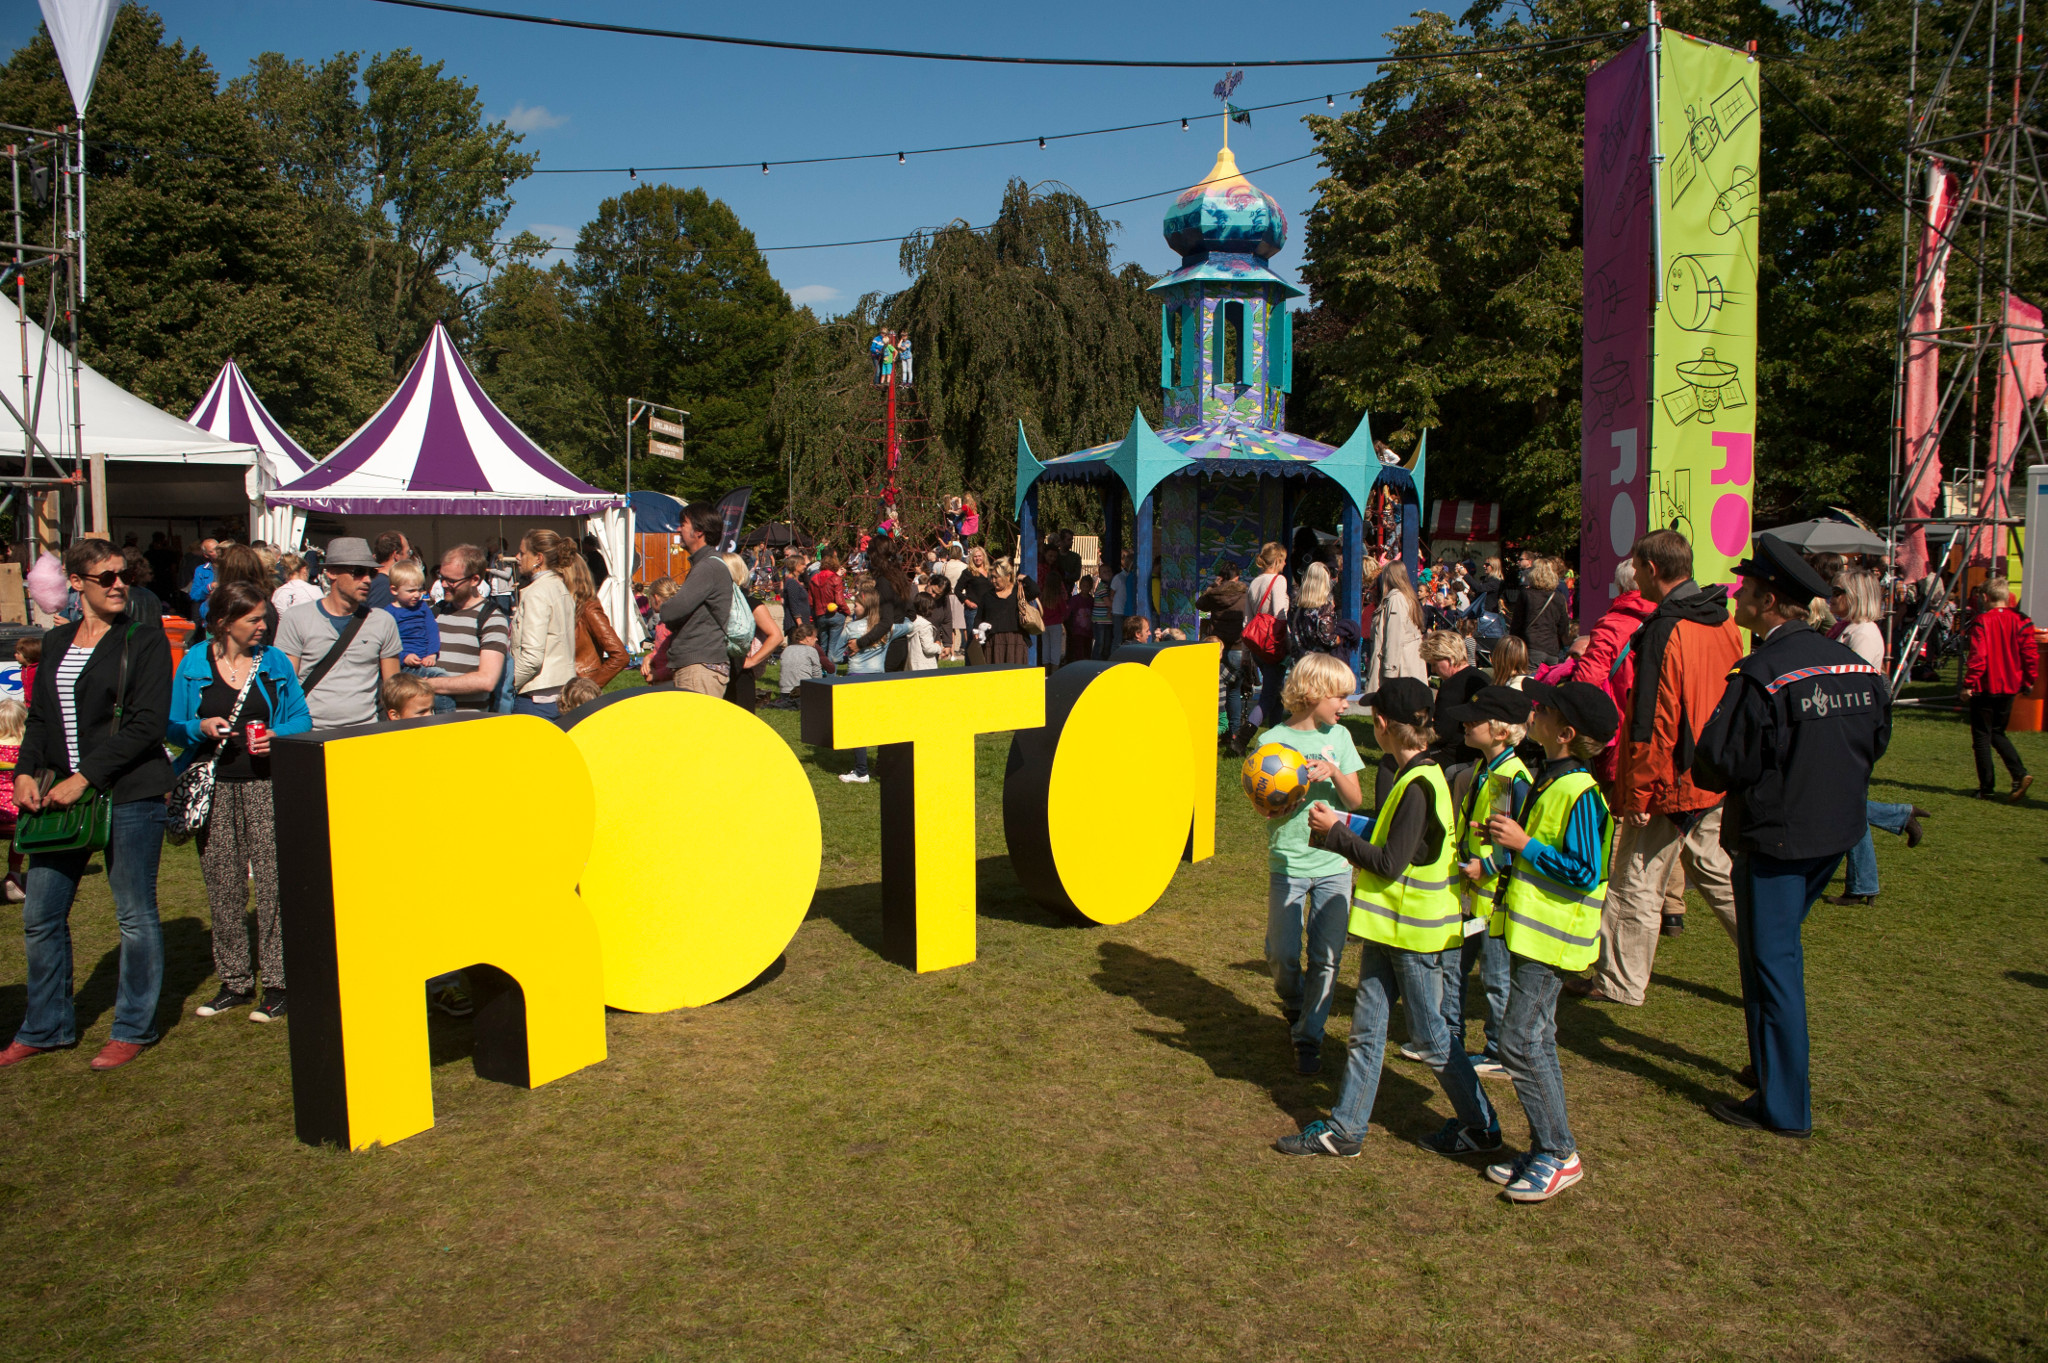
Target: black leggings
<point>1988,718</point>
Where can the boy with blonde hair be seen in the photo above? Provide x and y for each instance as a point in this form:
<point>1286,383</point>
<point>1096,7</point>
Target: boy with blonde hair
<point>1406,913</point>
<point>1308,889</point>
<point>407,697</point>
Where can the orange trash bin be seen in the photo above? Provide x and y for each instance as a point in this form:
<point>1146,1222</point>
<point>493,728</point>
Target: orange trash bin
<point>2027,710</point>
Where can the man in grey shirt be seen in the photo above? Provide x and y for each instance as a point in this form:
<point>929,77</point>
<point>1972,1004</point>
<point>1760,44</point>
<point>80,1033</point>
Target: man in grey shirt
<point>349,692</point>
<point>695,615</point>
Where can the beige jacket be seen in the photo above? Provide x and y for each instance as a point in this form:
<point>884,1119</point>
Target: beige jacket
<point>544,635</point>
<point>1396,645</point>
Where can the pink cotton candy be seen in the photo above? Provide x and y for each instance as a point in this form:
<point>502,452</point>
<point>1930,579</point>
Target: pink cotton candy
<point>48,586</point>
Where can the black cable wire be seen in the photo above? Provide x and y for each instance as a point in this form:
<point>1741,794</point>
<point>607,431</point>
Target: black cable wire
<point>637,31</point>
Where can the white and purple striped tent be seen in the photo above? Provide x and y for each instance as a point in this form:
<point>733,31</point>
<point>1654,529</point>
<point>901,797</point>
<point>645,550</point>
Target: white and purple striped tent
<point>232,411</point>
<point>438,457</point>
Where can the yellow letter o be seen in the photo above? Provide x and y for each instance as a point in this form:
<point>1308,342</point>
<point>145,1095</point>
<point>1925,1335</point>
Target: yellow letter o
<point>706,852</point>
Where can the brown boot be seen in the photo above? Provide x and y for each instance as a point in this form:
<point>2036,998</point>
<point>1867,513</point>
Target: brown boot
<point>115,1054</point>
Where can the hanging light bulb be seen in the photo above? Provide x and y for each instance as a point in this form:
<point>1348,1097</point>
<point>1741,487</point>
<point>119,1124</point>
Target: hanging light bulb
<point>899,158</point>
<point>632,174</point>
<point>764,167</point>
<point>1041,144</point>
<point>1330,101</point>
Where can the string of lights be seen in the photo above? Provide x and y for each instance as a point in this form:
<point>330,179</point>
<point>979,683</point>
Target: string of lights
<point>639,31</point>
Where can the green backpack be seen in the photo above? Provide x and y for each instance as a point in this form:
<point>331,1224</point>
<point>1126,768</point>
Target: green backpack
<point>739,625</point>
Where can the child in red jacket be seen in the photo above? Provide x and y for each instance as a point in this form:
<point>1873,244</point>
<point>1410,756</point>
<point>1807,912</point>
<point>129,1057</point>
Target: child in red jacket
<point>2004,663</point>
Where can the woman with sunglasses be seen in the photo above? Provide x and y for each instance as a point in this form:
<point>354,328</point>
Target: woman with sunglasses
<point>235,676</point>
<point>97,728</point>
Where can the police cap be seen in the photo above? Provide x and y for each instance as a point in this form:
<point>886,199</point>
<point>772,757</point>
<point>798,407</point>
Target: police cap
<point>1783,570</point>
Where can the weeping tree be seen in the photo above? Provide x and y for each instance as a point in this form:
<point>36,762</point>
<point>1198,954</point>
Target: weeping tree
<point>1026,320</point>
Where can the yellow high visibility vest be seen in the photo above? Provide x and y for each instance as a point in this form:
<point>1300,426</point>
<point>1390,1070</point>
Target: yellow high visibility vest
<point>1478,809</point>
<point>1417,910</point>
<point>1541,918</point>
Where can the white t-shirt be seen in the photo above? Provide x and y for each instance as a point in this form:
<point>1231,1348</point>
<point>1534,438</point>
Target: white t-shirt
<point>1119,604</point>
<point>296,592</point>
<point>1256,593</point>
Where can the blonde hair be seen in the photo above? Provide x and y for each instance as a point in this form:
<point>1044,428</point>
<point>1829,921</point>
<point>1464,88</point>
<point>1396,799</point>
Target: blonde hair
<point>1818,614</point>
<point>403,572</point>
<point>401,687</point>
<point>13,721</point>
<point>661,589</point>
<point>1002,573</point>
<point>1443,646</point>
<point>1543,574</point>
<point>554,550</point>
<point>1510,660</point>
<point>1997,591</point>
<point>1271,557</point>
<point>737,566</point>
<point>578,693</point>
<point>1504,732</point>
<point>1316,677</point>
<point>1314,592</point>
<point>576,577</point>
<point>1405,737</point>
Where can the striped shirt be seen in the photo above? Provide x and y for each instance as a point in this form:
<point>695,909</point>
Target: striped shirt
<point>465,638</point>
<point>73,663</point>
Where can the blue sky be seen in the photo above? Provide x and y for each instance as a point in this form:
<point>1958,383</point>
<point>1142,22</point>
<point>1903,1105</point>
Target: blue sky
<point>590,99</point>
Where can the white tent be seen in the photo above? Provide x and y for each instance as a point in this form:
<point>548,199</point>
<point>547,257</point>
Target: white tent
<point>158,466</point>
<point>440,463</point>
<point>232,411</point>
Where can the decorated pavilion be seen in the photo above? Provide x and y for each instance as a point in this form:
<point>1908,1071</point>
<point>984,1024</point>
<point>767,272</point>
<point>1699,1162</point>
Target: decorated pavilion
<point>1225,475</point>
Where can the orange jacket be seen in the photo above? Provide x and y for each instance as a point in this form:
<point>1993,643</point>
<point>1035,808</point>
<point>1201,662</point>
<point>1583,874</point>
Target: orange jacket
<point>1649,776</point>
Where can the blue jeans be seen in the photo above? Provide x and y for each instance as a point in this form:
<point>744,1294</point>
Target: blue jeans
<point>831,629</point>
<point>1862,873</point>
<point>1272,676</point>
<point>136,842</point>
<point>1528,1047</point>
<point>1384,972</point>
<point>1772,899</point>
<point>1233,685</point>
<point>442,704</point>
<point>1491,955</point>
<point>550,710</point>
<point>1321,905</point>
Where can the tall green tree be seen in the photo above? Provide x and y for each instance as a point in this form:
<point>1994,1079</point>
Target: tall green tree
<point>197,247</point>
<point>405,175</point>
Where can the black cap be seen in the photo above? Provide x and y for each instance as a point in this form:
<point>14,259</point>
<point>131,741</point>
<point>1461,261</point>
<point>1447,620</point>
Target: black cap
<point>1454,691</point>
<point>1503,703</point>
<point>1585,707</point>
<point>1784,570</point>
<point>1401,700</point>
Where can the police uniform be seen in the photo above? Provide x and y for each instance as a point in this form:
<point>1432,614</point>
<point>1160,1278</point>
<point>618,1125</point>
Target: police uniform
<point>1792,742</point>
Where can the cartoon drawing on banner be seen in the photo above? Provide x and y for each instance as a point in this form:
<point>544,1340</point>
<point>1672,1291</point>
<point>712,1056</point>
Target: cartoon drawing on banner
<point>1605,302</point>
<point>1633,195</point>
<point>1671,501</point>
<point>1735,205</point>
<point>1694,293</point>
<point>1613,386</point>
<point>1710,385</point>
<point>1707,130</point>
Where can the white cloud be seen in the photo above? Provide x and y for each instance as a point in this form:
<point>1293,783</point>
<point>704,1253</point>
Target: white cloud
<point>812,293</point>
<point>532,118</point>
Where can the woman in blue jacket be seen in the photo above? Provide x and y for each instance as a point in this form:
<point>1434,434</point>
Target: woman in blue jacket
<point>239,842</point>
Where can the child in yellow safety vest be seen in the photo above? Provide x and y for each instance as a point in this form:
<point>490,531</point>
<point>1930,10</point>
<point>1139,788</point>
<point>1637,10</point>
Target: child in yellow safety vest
<point>1494,721</point>
<point>1404,907</point>
<point>1548,917</point>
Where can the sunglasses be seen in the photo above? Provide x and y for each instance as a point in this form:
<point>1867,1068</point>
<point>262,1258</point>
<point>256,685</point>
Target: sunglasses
<point>107,579</point>
<point>349,571</point>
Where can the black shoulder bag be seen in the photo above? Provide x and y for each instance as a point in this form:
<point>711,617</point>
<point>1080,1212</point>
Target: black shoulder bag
<point>333,655</point>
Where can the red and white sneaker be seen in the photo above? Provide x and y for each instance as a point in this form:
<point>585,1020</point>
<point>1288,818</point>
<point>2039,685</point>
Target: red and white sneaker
<point>1543,1177</point>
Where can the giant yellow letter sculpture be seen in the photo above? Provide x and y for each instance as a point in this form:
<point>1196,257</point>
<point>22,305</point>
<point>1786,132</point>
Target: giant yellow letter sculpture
<point>925,724</point>
<point>369,917</point>
<point>1191,670</point>
<point>725,805</point>
<point>1096,805</point>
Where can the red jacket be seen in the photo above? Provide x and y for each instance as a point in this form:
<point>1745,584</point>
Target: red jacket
<point>828,595</point>
<point>1653,776</point>
<point>1606,646</point>
<point>2004,659</point>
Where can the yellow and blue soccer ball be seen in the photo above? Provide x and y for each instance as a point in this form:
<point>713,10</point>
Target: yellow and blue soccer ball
<point>1276,778</point>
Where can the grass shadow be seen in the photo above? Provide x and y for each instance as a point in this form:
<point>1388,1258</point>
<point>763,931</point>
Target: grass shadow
<point>857,909</point>
<point>1590,1031</point>
<point>1698,990</point>
<point>188,962</point>
<point>1248,1043</point>
<point>2032,977</point>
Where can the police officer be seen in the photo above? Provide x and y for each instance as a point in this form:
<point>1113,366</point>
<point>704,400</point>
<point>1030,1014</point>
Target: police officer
<point>1792,742</point>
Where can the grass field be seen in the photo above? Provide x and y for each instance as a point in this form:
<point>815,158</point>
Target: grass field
<point>1060,1151</point>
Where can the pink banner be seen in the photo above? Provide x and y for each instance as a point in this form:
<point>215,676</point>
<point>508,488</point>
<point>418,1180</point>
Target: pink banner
<point>1923,378</point>
<point>1615,377</point>
<point>2022,377</point>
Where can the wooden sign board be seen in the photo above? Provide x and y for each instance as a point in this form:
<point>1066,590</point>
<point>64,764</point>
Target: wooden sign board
<point>660,427</point>
<point>13,599</point>
<point>665,450</point>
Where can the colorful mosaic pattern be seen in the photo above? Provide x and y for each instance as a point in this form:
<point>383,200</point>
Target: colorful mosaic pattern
<point>1176,548</point>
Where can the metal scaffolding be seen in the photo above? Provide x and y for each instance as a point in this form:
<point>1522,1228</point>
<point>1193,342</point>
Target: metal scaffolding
<point>1976,192</point>
<point>46,182</point>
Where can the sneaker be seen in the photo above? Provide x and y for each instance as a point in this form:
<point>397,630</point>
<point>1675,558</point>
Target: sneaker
<point>1507,1172</point>
<point>1408,1052</point>
<point>272,1008</point>
<point>1544,1177</point>
<point>2019,789</point>
<point>1674,925</point>
<point>226,1001</point>
<point>451,999</point>
<point>1319,1138</point>
<point>853,778</point>
<point>1308,1058</point>
<point>1487,1065</point>
<point>1458,1140</point>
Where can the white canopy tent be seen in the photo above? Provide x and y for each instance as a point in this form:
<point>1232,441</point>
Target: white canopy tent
<point>441,464</point>
<point>158,467</point>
